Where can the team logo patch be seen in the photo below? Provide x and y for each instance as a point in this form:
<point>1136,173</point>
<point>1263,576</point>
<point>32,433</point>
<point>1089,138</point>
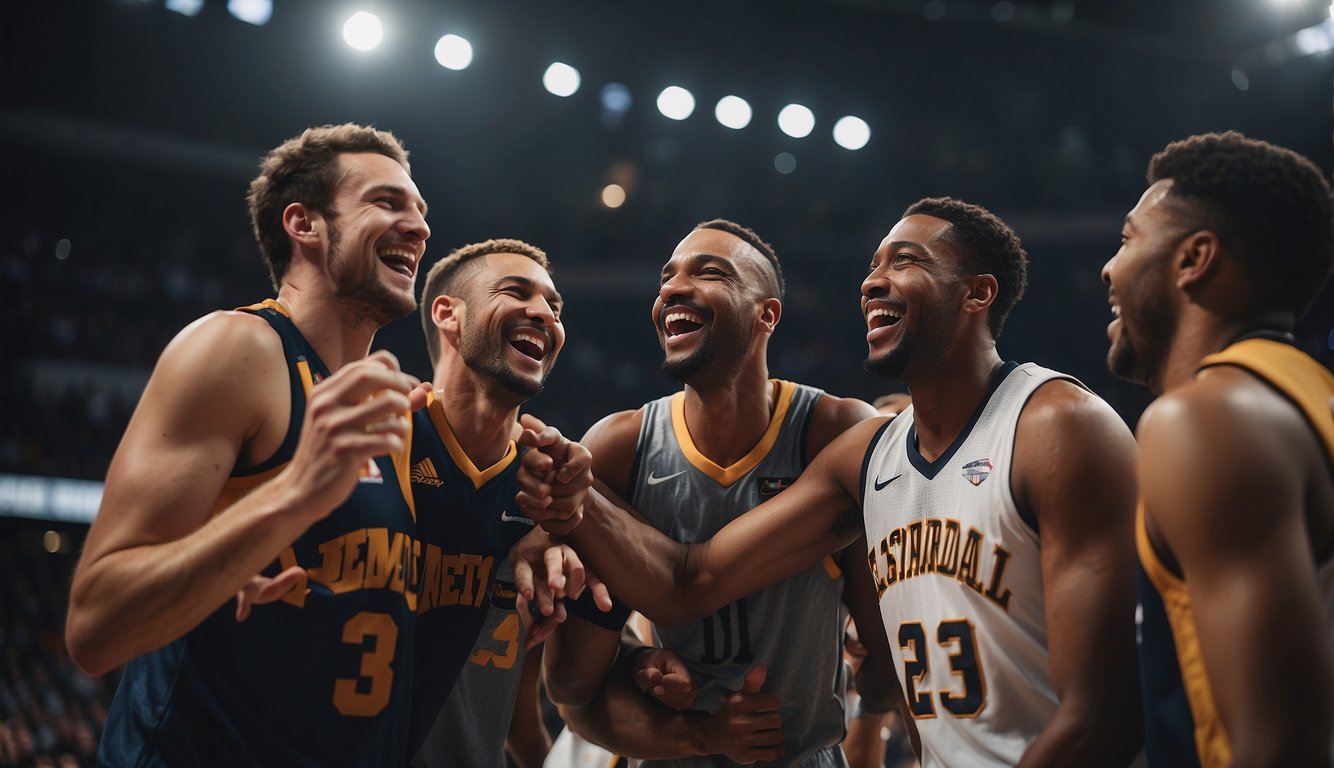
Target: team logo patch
<point>977,471</point>
<point>503,594</point>
<point>370,473</point>
<point>423,473</point>
<point>770,486</point>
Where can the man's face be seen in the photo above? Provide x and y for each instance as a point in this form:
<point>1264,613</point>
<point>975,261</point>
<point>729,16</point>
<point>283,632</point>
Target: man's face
<point>707,305</point>
<point>512,330</point>
<point>377,237</point>
<point>911,297</point>
<point>1140,289</point>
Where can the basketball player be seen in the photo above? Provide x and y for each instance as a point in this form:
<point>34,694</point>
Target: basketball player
<point>1226,249</point>
<point>997,514</point>
<point>691,462</point>
<point>235,462</point>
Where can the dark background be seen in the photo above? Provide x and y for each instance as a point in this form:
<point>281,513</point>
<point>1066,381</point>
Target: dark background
<point>131,132</point>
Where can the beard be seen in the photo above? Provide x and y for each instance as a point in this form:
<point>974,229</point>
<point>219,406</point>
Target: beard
<point>1140,358</point>
<point>371,299</point>
<point>893,363</point>
<point>717,359</point>
<point>486,356</point>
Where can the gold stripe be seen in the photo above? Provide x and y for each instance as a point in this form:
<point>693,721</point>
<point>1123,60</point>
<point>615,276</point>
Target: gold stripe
<point>1211,742</point>
<point>403,469</point>
<point>831,567</point>
<point>456,452</point>
<point>725,476</point>
<point>269,304</point>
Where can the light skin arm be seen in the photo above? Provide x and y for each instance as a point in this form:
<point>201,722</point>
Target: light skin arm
<point>157,561</point>
<point>1074,469</point>
<point>1225,464</point>
<point>528,741</point>
<point>673,583</point>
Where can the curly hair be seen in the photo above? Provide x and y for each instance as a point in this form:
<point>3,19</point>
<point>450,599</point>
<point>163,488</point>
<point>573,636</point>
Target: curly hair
<point>766,250</point>
<point>305,169</point>
<point>1268,204</point>
<point>449,274</point>
<point>988,247</point>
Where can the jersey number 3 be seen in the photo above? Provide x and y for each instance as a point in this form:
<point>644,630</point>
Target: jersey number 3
<point>958,636</point>
<point>376,665</point>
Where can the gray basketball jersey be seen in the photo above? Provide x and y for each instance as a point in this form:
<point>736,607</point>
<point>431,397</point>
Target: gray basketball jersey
<point>959,574</point>
<point>795,627</point>
<point>470,730</point>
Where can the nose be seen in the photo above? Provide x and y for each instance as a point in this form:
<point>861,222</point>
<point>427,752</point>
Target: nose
<point>414,224</point>
<point>875,285</point>
<point>1106,273</point>
<point>541,310</point>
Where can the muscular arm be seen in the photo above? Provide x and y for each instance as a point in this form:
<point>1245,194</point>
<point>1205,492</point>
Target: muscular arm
<point>1075,471</point>
<point>527,741</point>
<point>157,560</point>
<point>1224,462</point>
<point>673,583</point>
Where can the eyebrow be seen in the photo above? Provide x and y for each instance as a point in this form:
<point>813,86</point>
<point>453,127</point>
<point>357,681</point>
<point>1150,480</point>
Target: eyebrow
<point>906,244</point>
<point>708,258</point>
<point>396,190</point>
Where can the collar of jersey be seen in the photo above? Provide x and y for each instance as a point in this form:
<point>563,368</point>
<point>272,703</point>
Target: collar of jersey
<point>479,477</point>
<point>725,476</point>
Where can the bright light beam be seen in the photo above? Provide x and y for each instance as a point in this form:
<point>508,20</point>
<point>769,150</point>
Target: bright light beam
<point>363,31</point>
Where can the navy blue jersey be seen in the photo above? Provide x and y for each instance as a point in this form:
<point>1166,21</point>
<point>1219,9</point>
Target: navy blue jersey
<point>467,523</point>
<point>318,678</point>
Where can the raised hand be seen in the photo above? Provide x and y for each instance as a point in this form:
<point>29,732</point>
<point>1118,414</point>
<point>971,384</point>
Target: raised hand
<point>545,572</point>
<point>660,673</point>
<point>554,477</point>
<point>748,728</point>
<point>353,416</point>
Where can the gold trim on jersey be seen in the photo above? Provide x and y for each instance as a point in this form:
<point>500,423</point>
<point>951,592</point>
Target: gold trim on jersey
<point>268,304</point>
<point>479,477</point>
<point>1305,382</point>
<point>725,476</point>
<point>1211,742</point>
<point>831,567</point>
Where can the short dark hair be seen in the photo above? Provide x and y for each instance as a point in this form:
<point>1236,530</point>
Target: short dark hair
<point>988,247</point>
<point>305,169</point>
<point>1268,204</point>
<point>449,274</point>
<point>753,240</point>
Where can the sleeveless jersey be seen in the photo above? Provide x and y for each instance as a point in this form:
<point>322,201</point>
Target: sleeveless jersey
<point>318,678</point>
<point>1182,727</point>
<point>472,727</point>
<point>794,627</point>
<point>467,522</point>
<point>959,575</point>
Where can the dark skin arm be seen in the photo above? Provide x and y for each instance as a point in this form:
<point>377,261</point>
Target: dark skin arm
<point>1232,479</point>
<point>1074,469</point>
<point>528,741</point>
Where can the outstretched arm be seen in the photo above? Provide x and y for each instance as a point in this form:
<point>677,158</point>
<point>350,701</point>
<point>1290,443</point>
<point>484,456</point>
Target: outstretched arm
<point>157,559</point>
<point>673,583</point>
<point>1075,471</point>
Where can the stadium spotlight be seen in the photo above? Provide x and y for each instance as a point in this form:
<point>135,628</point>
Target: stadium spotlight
<point>363,31</point>
<point>796,121</point>
<point>851,132</point>
<point>733,112</point>
<point>453,52</point>
<point>257,12</point>
<point>185,7</point>
<point>676,102</point>
<point>613,195</point>
<point>561,79</point>
<point>785,163</point>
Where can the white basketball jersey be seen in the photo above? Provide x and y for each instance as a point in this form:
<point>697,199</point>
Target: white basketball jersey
<point>959,576</point>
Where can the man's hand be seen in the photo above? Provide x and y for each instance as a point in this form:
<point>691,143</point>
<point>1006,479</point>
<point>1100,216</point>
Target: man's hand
<point>660,673</point>
<point>748,727</point>
<point>545,572</point>
<point>356,414</point>
<point>262,589</point>
<point>554,477</point>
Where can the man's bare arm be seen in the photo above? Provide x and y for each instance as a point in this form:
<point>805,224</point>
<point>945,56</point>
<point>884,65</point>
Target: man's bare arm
<point>1075,471</point>
<point>1223,464</point>
<point>157,560</point>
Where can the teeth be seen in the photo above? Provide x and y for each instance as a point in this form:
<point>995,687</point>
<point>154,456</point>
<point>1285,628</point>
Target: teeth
<point>400,260</point>
<point>882,312</point>
<point>532,337</point>
<point>687,316</point>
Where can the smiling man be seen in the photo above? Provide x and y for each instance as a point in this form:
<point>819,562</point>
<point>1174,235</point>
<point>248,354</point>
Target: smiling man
<point>994,513</point>
<point>265,442</point>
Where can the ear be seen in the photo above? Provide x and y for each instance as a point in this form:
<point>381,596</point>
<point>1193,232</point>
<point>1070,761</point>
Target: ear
<point>448,313</point>
<point>1196,259</point>
<point>982,291</point>
<point>771,310</point>
<point>302,224</point>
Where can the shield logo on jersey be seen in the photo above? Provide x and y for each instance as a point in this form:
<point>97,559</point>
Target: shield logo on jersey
<point>770,486</point>
<point>977,471</point>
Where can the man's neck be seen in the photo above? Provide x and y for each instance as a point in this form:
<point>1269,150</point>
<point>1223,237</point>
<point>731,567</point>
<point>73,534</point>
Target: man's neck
<point>482,421</point>
<point>337,335</point>
<point>946,398</point>
<point>727,420</point>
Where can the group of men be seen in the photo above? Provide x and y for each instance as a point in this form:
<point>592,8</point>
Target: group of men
<point>984,541</point>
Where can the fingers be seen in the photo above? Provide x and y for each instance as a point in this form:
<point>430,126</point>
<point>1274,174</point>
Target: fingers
<point>601,596</point>
<point>554,558</point>
<point>418,396</point>
<point>575,573</point>
<point>538,633</point>
<point>262,589</point>
<point>754,679</point>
